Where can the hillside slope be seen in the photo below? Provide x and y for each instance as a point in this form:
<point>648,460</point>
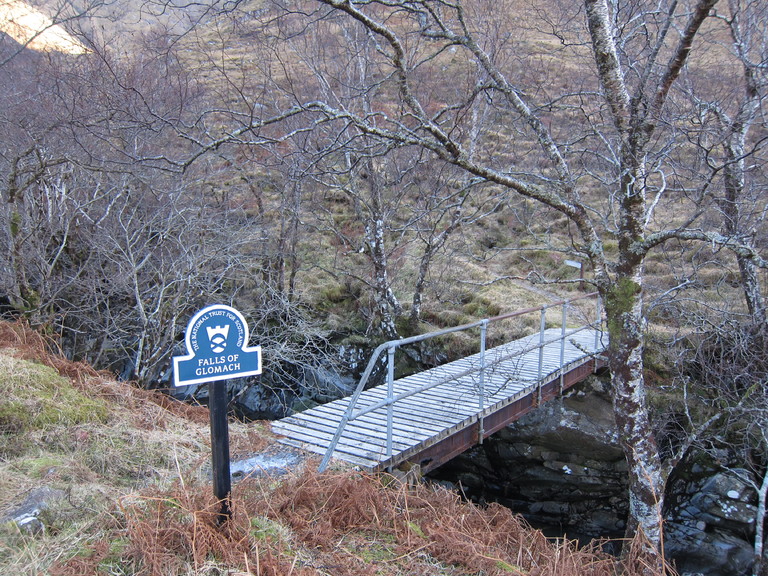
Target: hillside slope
<point>123,474</point>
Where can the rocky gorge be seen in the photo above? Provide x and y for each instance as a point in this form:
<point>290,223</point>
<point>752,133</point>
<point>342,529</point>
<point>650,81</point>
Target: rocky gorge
<point>561,467</point>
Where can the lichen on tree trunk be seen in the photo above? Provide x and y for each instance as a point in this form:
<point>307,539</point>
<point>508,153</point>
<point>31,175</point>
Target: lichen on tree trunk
<point>624,313</point>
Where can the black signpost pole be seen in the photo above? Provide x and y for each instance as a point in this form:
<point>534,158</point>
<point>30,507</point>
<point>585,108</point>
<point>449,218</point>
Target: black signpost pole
<point>222,482</point>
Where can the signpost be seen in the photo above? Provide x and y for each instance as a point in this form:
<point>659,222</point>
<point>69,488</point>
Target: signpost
<point>217,350</point>
<point>580,268</point>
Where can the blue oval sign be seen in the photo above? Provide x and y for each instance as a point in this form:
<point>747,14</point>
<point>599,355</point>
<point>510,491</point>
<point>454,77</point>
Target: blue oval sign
<point>217,349</point>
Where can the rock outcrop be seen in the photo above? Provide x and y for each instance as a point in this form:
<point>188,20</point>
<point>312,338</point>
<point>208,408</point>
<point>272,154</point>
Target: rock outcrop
<point>560,466</point>
<point>710,519</point>
<point>27,516</point>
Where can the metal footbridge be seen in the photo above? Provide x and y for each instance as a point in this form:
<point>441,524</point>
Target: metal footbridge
<point>432,416</point>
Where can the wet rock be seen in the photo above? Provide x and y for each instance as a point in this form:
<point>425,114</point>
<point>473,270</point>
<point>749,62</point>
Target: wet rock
<point>261,402</point>
<point>695,551</point>
<point>321,386</point>
<point>710,519</point>
<point>276,462</point>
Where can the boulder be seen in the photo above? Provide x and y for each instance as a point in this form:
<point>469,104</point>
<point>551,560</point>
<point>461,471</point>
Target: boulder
<point>27,514</point>
<point>710,519</point>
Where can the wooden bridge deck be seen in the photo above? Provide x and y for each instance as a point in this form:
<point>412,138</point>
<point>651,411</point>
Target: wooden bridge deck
<point>432,426</point>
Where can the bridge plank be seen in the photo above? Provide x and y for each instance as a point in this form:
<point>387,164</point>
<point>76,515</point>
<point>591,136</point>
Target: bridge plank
<point>373,426</point>
<point>358,443</point>
<point>405,418</point>
<point>401,423</point>
<point>444,400</point>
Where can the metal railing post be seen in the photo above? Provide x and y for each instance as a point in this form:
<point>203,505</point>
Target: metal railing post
<point>542,327</point>
<point>390,397</point>
<point>481,400</point>
<point>598,320</point>
<point>562,346</point>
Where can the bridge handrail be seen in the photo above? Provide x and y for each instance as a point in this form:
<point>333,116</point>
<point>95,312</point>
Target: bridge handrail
<point>391,345</point>
<point>455,376</point>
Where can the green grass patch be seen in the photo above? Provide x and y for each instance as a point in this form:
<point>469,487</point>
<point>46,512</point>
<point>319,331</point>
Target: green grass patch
<point>266,529</point>
<point>37,397</point>
<point>40,467</point>
<point>481,307</point>
<point>416,529</point>
<point>506,567</point>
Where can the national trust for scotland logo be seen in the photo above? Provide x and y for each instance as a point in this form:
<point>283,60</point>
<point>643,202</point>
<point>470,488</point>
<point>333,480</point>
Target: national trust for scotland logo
<point>217,337</point>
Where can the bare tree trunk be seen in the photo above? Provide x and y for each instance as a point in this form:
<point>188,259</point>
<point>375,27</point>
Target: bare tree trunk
<point>286,256</point>
<point>433,244</point>
<point>761,559</point>
<point>750,282</point>
<point>415,314</point>
<point>292,259</point>
<point>387,304</point>
<point>624,313</point>
<point>731,209</point>
<point>635,118</point>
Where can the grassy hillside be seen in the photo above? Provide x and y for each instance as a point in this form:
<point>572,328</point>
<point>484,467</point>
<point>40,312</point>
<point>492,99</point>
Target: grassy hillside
<point>129,469</point>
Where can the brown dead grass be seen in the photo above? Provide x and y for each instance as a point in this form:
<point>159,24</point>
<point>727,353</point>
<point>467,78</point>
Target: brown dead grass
<point>341,523</point>
<point>491,540</point>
